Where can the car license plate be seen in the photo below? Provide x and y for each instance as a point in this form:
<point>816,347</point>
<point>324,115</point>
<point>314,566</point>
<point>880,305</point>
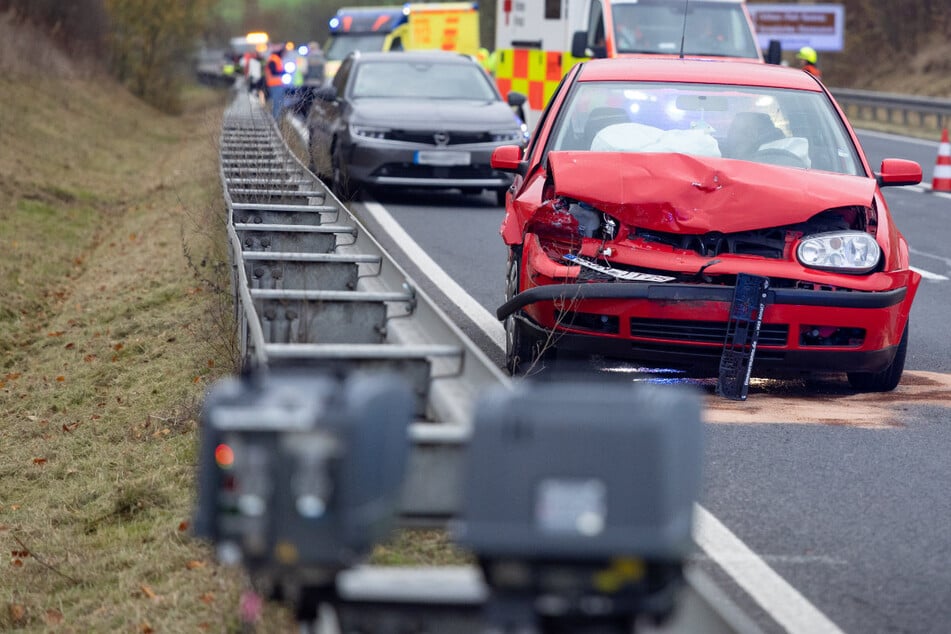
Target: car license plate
<point>631,276</point>
<point>441,157</point>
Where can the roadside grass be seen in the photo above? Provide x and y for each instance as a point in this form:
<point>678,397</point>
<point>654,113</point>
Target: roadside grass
<point>114,319</point>
<point>116,315</point>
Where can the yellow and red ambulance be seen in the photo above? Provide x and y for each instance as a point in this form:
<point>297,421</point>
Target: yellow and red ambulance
<point>447,26</point>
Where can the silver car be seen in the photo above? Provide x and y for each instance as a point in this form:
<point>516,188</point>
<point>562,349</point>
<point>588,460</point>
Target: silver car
<point>422,119</point>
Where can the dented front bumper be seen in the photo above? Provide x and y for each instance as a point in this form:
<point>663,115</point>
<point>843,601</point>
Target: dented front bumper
<point>827,328</point>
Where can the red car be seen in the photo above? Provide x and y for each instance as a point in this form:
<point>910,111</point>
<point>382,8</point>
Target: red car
<point>651,186</point>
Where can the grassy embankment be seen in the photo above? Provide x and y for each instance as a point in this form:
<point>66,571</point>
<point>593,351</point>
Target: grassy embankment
<point>115,317</point>
<point>111,325</point>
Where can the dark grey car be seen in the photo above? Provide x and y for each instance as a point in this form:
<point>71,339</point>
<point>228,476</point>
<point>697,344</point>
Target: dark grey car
<point>427,119</point>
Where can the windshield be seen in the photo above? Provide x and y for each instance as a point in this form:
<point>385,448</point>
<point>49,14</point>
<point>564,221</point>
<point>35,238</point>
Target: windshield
<point>657,26</point>
<point>795,128</point>
<point>405,79</point>
<point>339,46</point>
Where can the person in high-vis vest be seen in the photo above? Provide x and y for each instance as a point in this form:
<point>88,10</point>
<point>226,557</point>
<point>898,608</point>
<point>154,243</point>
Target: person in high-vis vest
<point>808,61</point>
<point>274,80</point>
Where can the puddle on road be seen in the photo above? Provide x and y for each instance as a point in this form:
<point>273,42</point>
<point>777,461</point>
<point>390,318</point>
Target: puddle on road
<point>827,402</point>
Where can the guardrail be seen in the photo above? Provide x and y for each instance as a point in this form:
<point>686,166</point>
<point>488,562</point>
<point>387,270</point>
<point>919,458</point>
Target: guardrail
<point>924,113</point>
<point>312,286</point>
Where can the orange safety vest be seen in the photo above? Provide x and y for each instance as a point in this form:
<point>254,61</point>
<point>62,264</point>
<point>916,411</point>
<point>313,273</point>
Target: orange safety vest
<point>812,70</point>
<point>270,78</point>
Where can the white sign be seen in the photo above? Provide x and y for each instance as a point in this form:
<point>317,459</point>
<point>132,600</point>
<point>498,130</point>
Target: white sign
<point>821,26</point>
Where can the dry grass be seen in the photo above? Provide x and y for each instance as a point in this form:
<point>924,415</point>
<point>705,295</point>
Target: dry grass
<point>115,318</point>
<point>113,322</point>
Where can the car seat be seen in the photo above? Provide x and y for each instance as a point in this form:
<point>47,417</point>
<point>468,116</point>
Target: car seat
<point>747,133</point>
<point>821,155</point>
<point>599,119</point>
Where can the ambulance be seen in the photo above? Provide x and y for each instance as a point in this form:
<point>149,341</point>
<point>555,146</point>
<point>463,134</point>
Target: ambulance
<point>447,26</point>
<point>538,41</point>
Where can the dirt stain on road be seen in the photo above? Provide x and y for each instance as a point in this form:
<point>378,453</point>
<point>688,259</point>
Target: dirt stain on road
<point>828,402</point>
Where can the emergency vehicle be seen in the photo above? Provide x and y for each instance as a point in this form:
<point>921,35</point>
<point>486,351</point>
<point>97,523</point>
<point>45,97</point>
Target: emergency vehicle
<point>254,42</point>
<point>447,26</point>
<point>538,41</point>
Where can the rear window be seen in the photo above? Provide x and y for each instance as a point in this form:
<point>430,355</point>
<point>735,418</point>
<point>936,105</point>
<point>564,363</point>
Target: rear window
<point>707,29</point>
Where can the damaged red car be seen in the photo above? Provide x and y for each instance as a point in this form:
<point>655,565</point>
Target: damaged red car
<point>651,186</point>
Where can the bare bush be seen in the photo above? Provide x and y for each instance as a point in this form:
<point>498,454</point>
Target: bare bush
<point>150,41</point>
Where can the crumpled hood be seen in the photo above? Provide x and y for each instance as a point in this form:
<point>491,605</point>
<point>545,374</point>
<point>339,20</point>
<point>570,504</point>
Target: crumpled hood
<point>431,114</point>
<point>680,193</point>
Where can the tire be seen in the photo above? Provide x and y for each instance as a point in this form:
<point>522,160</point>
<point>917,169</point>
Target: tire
<point>886,380</point>
<point>525,353</point>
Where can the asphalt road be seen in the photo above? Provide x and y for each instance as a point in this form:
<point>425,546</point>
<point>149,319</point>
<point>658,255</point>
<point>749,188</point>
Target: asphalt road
<point>849,504</point>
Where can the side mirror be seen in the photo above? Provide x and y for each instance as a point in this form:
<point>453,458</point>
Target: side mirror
<point>897,172</point>
<point>580,48</point>
<point>508,158</point>
<point>516,99</point>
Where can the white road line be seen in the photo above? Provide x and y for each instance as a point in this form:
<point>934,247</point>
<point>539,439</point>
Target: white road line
<point>773,594</point>
<point>783,602</point>
<point>928,275</point>
<point>925,254</point>
<point>486,322</point>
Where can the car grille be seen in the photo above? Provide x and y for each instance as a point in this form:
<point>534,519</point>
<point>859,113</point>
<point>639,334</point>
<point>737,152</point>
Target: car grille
<point>702,331</point>
<point>428,138</point>
<point>605,324</point>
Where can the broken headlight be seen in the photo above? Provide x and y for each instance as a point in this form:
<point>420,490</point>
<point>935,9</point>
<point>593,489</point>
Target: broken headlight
<point>588,221</point>
<point>843,251</point>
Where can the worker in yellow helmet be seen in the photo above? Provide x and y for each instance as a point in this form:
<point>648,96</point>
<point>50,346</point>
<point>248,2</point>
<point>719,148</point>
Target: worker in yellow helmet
<point>808,61</point>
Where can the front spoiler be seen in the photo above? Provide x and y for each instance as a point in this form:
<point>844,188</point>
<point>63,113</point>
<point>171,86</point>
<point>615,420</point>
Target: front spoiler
<point>696,293</point>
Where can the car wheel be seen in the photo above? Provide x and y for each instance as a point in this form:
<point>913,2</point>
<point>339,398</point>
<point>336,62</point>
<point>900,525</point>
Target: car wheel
<point>525,353</point>
<point>886,380</point>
